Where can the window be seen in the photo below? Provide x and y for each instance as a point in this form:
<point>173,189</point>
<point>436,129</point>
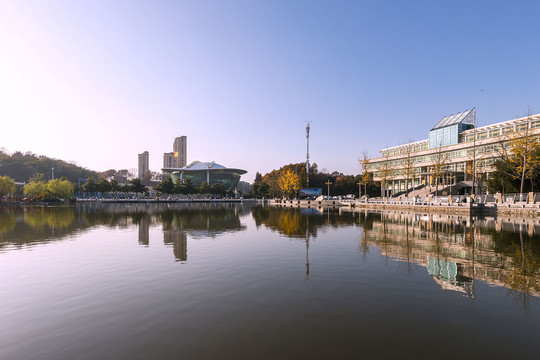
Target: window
<point>482,135</point>
<point>508,130</point>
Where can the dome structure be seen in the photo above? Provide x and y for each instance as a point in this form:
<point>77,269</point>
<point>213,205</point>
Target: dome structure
<point>198,172</point>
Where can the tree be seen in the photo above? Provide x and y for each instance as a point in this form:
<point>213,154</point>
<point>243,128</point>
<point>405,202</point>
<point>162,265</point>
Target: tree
<point>218,189</point>
<point>21,167</point>
<point>109,174</point>
<point>439,160</point>
<point>7,186</point>
<point>366,177</point>
<point>261,190</point>
<point>114,186</point>
<point>122,175</point>
<point>407,166</point>
<point>90,186</point>
<point>60,188</point>
<point>204,188</point>
<point>103,185</point>
<point>525,153</point>
<point>36,187</point>
<point>137,186</point>
<point>166,186</point>
<point>289,183</point>
<point>386,173</point>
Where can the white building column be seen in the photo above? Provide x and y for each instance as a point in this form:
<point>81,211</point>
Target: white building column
<point>208,177</point>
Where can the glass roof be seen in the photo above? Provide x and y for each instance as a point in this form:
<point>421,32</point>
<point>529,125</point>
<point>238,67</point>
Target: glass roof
<point>197,165</point>
<point>466,117</point>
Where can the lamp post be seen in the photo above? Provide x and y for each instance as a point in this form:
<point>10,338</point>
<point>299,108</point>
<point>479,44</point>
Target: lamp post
<point>359,190</point>
<point>328,183</point>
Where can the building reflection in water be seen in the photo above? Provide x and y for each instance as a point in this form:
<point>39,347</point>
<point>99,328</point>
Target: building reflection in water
<point>144,230</point>
<point>458,250</point>
<point>178,240</point>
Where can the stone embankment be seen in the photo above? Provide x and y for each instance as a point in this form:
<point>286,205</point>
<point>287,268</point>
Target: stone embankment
<point>489,209</point>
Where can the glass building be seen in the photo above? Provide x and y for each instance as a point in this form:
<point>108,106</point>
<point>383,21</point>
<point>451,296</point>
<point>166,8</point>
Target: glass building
<point>447,131</point>
<point>456,151</point>
<point>198,172</point>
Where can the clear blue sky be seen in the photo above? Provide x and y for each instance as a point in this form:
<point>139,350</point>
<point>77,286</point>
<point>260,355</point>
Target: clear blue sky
<point>97,82</point>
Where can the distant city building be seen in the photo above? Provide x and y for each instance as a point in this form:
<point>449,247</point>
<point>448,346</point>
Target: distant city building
<point>178,157</point>
<point>180,151</point>
<point>168,160</point>
<point>244,187</point>
<point>198,172</point>
<point>143,164</point>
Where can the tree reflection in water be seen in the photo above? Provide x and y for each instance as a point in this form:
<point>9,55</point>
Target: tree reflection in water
<point>455,250</point>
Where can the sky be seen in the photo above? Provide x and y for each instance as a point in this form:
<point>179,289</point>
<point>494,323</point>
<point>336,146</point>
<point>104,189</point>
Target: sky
<point>98,82</point>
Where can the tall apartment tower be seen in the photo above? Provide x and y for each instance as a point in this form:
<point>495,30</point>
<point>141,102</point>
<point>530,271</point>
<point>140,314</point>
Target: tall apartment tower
<point>180,151</point>
<point>144,162</point>
<point>177,158</point>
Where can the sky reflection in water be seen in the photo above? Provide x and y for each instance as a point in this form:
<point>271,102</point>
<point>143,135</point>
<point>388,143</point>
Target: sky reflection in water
<point>206,281</point>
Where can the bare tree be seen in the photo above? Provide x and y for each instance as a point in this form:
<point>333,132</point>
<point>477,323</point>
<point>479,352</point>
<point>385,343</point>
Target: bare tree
<point>386,173</point>
<point>439,160</point>
<point>407,166</point>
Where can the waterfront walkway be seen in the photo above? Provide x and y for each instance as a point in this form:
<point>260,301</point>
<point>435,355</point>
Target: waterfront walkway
<point>528,205</point>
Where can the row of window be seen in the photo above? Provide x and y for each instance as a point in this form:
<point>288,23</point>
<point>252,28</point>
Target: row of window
<point>439,157</point>
<point>459,167</point>
<point>468,137</point>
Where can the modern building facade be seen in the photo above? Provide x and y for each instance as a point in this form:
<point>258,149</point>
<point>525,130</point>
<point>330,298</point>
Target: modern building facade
<point>144,164</point>
<point>198,172</point>
<point>455,151</point>
<point>178,157</point>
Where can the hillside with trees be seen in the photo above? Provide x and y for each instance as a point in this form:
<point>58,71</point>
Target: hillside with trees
<point>23,166</point>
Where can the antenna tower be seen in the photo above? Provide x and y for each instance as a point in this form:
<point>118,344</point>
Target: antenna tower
<point>307,154</point>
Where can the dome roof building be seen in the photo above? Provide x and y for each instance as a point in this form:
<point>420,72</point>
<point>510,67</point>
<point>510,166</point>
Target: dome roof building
<point>211,172</point>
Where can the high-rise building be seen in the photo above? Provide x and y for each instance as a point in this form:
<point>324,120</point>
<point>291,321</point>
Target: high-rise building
<point>180,151</point>
<point>168,160</point>
<point>143,164</point>
<point>177,158</point>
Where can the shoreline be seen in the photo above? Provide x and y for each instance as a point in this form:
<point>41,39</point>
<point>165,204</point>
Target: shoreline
<point>471,209</point>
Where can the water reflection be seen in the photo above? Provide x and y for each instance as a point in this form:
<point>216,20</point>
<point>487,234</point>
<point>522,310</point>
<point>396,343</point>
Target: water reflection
<point>456,251</point>
<point>28,226</point>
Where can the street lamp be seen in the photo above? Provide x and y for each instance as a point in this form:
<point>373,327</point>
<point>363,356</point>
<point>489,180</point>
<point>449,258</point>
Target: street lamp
<point>328,183</point>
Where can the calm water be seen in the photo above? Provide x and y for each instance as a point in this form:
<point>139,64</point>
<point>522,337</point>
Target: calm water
<point>238,282</point>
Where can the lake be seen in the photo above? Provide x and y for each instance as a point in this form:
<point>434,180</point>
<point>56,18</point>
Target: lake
<point>205,281</point>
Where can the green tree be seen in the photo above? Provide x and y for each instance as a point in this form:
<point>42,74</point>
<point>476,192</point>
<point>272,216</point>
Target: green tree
<point>90,186</point>
<point>204,188</point>
<point>60,188</point>
<point>218,189</point>
<point>114,186</point>
<point>261,190</point>
<point>7,186</point>
<point>36,187</point>
<point>103,185</point>
<point>166,186</point>
<point>137,186</point>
